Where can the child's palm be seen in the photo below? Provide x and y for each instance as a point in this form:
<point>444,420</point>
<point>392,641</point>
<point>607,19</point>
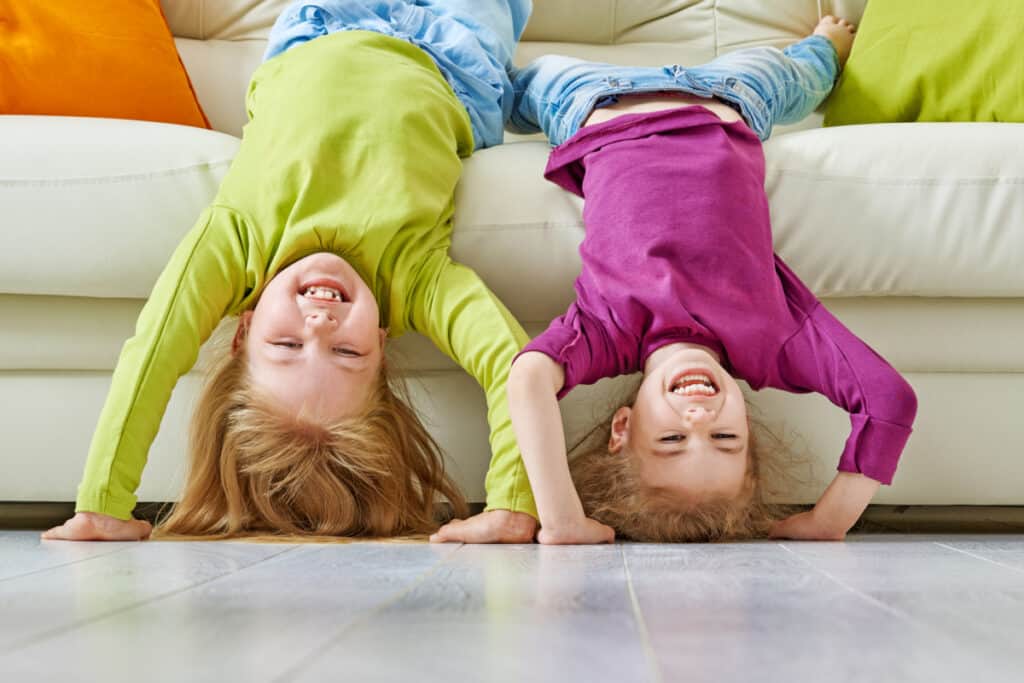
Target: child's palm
<point>586,532</point>
<point>93,526</point>
<point>493,526</point>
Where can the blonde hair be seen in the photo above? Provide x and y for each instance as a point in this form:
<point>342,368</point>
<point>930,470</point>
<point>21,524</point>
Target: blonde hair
<point>612,492</point>
<point>255,469</point>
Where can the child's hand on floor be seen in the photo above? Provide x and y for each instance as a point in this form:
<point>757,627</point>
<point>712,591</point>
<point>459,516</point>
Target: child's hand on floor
<point>493,526</point>
<point>805,526</point>
<point>834,514</point>
<point>94,526</point>
<point>585,532</point>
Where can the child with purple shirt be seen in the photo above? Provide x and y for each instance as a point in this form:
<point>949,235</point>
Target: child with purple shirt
<point>679,280</point>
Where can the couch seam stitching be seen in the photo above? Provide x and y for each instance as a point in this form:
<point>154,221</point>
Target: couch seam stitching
<point>714,12</point>
<point>979,180</point>
<point>95,180</point>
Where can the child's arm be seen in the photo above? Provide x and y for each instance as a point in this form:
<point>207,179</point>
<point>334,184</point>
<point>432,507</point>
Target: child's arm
<point>824,356</point>
<point>460,314</point>
<point>204,279</point>
<point>533,388</point>
<point>838,509</point>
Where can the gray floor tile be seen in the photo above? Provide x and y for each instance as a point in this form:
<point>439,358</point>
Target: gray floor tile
<point>248,625</point>
<point>888,607</point>
<point>970,609</point>
<point>501,613</point>
<point>22,552</point>
<point>720,612</point>
<point>46,603</point>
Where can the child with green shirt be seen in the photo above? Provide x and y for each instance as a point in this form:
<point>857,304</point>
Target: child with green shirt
<point>329,233</point>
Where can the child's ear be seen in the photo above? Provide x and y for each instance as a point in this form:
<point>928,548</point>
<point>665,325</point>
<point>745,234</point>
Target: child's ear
<point>620,429</point>
<point>241,332</point>
<point>383,332</point>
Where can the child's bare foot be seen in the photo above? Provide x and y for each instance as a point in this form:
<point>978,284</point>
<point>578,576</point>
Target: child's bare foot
<point>840,32</point>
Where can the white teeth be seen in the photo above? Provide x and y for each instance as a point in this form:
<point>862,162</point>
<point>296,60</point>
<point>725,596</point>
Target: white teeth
<point>323,293</point>
<point>695,389</point>
<point>694,384</point>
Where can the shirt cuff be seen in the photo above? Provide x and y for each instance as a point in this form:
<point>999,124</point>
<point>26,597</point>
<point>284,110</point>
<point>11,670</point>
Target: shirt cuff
<point>105,502</point>
<point>515,501</point>
<point>874,448</point>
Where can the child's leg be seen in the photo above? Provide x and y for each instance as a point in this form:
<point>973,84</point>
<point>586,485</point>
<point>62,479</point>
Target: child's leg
<point>770,85</point>
<point>477,62</point>
<point>498,24</point>
<point>470,41</point>
<point>555,94</point>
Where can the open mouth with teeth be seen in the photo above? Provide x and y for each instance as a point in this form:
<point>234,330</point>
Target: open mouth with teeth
<point>694,383</point>
<point>323,292</point>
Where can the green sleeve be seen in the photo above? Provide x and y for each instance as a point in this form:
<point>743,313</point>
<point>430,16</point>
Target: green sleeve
<point>468,322</point>
<point>204,279</point>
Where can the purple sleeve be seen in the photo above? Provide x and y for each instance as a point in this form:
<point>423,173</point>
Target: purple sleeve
<point>824,356</point>
<point>580,345</point>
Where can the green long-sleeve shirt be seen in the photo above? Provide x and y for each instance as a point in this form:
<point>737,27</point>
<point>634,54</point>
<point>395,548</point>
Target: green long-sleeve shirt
<point>354,147</point>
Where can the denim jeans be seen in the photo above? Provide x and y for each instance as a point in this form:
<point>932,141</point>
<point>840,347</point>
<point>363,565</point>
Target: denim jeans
<point>471,41</point>
<point>555,94</point>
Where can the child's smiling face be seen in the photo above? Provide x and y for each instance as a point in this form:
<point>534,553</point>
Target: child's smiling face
<point>687,428</point>
<point>313,342</point>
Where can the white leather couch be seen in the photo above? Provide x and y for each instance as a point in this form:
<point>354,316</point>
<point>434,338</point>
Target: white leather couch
<point>912,234</point>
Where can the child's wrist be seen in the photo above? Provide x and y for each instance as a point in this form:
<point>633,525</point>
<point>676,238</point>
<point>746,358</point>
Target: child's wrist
<point>562,516</point>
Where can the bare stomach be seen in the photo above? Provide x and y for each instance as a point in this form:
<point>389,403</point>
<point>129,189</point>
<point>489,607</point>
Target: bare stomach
<point>648,102</point>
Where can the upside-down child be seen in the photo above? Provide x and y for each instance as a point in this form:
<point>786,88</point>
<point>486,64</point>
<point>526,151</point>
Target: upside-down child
<point>679,280</point>
<point>329,233</point>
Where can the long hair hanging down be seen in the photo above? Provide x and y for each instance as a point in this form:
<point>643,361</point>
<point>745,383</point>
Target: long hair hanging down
<point>255,470</point>
<point>612,492</point>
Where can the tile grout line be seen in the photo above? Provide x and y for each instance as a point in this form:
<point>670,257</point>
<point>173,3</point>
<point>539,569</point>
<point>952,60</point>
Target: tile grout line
<point>316,653</point>
<point>980,557</point>
<point>128,546</point>
<point>927,626</point>
<point>46,635</point>
<point>645,640</point>
<point>851,589</point>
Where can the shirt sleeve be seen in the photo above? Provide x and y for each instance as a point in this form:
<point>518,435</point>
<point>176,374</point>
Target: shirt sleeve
<point>824,356</point>
<point>471,326</point>
<point>204,279</point>
<point>584,349</point>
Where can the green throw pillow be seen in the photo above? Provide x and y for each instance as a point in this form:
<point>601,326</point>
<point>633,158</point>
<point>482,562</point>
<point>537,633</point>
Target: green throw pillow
<point>942,60</point>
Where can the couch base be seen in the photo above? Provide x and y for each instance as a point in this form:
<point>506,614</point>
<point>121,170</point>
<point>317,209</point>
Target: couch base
<point>922,519</point>
<point>965,450</point>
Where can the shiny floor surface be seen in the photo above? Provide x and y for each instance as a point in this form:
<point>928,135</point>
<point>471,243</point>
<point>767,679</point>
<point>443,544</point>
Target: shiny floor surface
<point>879,607</point>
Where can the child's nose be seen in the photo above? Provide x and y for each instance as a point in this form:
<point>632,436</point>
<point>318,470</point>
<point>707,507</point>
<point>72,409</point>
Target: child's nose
<point>698,414</point>
<point>319,319</point>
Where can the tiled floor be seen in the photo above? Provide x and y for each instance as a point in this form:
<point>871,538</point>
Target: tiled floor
<point>879,607</point>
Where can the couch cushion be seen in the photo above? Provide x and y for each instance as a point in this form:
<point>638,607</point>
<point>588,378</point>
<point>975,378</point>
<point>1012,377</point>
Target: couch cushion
<point>731,22</point>
<point>882,210</point>
<point>94,207</point>
<point>221,43</point>
<point>912,333</point>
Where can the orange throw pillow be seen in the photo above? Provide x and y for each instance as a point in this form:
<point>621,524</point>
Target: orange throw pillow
<point>107,58</point>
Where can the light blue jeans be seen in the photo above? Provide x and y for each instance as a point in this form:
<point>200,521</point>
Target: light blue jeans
<point>471,41</point>
<point>555,94</point>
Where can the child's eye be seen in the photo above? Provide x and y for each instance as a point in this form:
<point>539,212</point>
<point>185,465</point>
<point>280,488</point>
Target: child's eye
<point>723,436</point>
<point>672,438</point>
<point>346,352</point>
<point>288,345</point>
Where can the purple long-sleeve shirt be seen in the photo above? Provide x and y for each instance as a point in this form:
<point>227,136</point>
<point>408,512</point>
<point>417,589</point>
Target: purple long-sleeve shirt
<point>678,248</point>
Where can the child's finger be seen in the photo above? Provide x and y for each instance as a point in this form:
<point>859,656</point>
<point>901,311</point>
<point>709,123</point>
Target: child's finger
<point>446,534</point>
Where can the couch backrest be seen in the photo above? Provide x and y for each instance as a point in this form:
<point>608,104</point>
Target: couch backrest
<point>221,41</point>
